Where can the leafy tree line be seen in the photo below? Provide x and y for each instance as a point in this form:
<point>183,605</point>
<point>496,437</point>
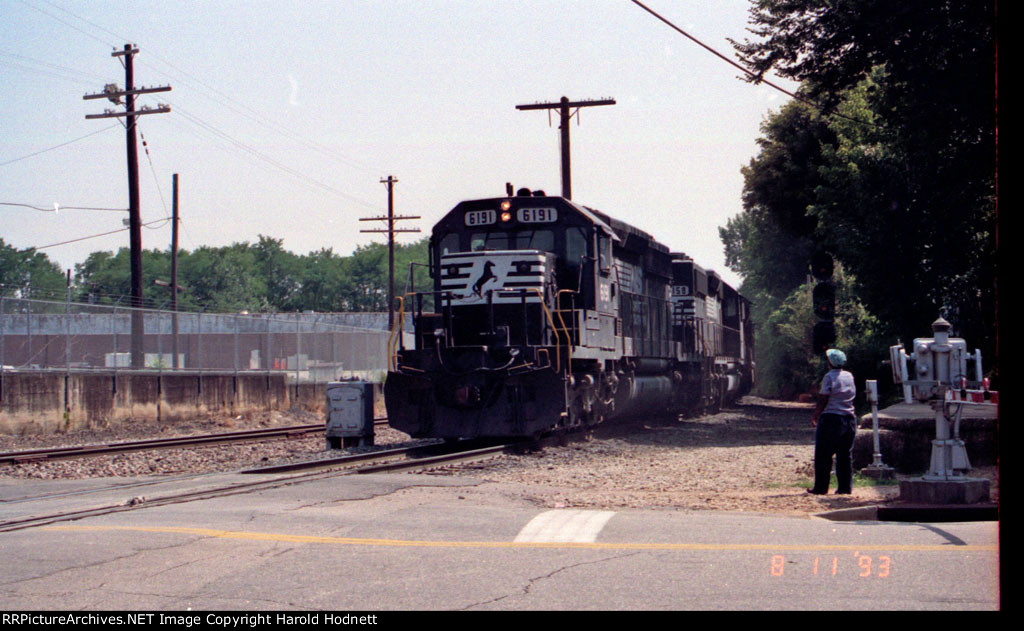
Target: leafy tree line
<point>887,161</point>
<point>254,277</point>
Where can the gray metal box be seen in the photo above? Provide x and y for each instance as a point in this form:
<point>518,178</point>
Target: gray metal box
<point>349,414</point>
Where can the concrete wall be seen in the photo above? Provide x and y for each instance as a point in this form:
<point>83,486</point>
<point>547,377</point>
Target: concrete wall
<point>906,432</point>
<point>47,402</point>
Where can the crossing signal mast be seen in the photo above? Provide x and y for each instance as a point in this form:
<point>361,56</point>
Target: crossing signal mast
<point>823,300</point>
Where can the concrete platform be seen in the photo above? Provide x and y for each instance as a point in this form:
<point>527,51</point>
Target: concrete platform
<point>922,513</point>
<point>963,491</point>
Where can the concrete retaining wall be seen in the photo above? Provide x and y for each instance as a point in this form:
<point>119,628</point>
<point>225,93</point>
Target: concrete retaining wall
<point>48,402</point>
<point>906,432</point>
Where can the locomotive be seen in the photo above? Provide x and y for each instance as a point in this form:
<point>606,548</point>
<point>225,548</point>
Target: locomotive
<point>549,316</point>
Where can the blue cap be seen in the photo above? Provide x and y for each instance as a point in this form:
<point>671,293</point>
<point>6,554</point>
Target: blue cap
<point>836,357</point>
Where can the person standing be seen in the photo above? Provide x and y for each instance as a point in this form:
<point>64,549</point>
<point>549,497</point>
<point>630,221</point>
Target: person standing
<point>836,426</point>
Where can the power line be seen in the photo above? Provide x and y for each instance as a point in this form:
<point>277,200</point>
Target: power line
<point>238,144</point>
<point>237,108</point>
<point>57,207</point>
<point>747,72</point>
<point>714,52</point>
<point>93,236</point>
<point>63,144</point>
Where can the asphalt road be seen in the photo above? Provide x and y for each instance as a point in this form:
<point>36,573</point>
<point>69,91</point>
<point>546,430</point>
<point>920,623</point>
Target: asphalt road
<point>387,542</point>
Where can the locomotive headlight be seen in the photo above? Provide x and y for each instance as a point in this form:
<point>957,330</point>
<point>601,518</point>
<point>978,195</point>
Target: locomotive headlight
<point>506,216</point>
<point>506,204</point>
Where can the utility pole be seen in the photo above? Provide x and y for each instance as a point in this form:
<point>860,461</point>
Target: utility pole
<point>564,115</point>
<point>174,271</point>
<point>112,93</point>
<point>391,218</point>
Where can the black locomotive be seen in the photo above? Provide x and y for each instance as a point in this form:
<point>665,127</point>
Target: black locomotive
<point>547,315</point>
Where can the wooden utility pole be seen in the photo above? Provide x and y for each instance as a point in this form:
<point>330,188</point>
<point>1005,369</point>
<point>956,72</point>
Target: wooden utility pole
<point>391,218</point>
<point>111,92</point>
<point>174,271</point>
<point>564,115</point>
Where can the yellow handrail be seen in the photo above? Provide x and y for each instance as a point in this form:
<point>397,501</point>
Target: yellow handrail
<point>568,338</point>
<point>396,328</point>
<point>558,353</point>
<point>393,337</point>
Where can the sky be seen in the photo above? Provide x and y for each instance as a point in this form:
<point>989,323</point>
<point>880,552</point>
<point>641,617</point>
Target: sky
<point>287,114</point>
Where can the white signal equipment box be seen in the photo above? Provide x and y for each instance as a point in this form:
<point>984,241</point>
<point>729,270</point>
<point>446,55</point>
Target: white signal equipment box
<point>349,414</point>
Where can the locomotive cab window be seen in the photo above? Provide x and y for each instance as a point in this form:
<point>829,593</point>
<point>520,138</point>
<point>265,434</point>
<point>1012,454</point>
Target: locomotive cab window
<point>495,240</point>
<point>450,243</point>
<point>575,247</point>
<point>604,249</point>
<point>543,240</point>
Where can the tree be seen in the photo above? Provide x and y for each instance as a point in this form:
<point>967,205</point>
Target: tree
<point>279,270</point>
<point>29,274</point>
<point>906,193</point>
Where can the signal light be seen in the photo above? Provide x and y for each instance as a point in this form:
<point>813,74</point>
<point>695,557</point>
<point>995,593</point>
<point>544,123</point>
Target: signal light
<point>822,265</point>
<point>823,336</point>
<point>823,299</point>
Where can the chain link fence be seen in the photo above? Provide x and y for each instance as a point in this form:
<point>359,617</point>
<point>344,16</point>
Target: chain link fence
<point>308,347</point>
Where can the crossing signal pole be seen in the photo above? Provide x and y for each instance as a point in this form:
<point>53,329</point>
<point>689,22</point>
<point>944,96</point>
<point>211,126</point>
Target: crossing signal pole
<point>564,116</point>
<point>391,218</point>
<point>114,95</point>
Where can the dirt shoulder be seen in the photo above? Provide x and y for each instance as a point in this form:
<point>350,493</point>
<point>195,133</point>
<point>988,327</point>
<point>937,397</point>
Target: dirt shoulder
<point>755,457</point>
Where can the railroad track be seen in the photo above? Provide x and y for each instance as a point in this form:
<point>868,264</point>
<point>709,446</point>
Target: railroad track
<point>61,453</point>
<point>387,460</point>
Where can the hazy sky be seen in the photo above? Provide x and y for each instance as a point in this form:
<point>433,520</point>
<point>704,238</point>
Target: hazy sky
<point>286,114</point>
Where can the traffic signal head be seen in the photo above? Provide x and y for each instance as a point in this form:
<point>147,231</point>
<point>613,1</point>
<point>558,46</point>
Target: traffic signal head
<point>822,265</point>
<point>823,336</point>
<point>823,300</point>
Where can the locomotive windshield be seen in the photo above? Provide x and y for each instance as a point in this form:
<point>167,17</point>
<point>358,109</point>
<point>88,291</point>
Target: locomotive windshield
<point>543,240</point>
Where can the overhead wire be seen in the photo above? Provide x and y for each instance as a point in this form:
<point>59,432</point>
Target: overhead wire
<point>57,207</point>
<point>63,144</point>
<point>227,102</point>
<point>218,133</point>
<point>94,236</point>
<point>747,71</point>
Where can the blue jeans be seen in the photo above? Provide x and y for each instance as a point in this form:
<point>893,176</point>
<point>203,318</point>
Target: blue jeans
<point>834,436</point>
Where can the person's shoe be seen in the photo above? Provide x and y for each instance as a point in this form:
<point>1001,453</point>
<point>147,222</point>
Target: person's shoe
<point>843,492</point>
<point>816,492</point>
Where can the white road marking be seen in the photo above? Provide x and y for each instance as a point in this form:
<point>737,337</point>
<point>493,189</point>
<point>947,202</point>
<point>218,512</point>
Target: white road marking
<point>564,526</point>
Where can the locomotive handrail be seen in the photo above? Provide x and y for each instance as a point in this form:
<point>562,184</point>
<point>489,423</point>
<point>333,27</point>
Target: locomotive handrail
<point>558,353</point>
<point>395,336</point>
<point>568,337</point>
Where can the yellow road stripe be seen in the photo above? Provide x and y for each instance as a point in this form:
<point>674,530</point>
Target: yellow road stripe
<point>351,541</point>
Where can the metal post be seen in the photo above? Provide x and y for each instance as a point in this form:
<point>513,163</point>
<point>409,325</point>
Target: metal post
<point>199,339</point>
<point>3,337</point>
<point>236,344</point>
<point>877,469</point>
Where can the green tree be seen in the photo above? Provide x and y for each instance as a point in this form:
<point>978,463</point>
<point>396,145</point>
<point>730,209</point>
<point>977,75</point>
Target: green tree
<point>222,280</point>
<point>279,270</point>
<point>786,364</point>
<point>905,172</point>
<point>29,274</point>
<point>105,278</point>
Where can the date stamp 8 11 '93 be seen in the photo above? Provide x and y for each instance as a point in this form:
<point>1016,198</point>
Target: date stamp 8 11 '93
<point>864,566</point>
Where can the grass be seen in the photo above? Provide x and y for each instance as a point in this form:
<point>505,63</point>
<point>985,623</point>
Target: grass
<point>859,481</point>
